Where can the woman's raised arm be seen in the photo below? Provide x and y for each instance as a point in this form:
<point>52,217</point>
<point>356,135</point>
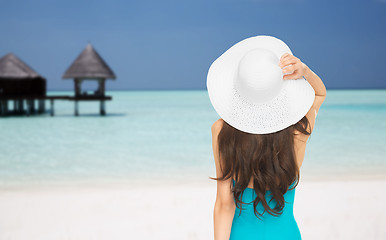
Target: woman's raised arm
<point>293,68</point>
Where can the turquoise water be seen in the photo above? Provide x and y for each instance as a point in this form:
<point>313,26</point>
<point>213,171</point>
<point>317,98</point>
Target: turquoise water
<point>165,135</point>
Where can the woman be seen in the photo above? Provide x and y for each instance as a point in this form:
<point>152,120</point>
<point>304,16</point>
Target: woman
<point>268,101</point>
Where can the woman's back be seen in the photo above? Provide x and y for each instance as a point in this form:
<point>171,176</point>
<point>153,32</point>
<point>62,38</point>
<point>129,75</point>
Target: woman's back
<point>246,225</point>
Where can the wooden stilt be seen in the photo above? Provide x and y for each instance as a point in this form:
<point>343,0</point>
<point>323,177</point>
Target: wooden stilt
<point>15,106</point>
<point>41,106</point>
<point>6,107</point>
<point>76,113</point>
<point>1,108</point>
<point>102,108</point>
<point>28,101</point>
<point>21,105</point>
<point>52,107</point>
<point>33,109</point>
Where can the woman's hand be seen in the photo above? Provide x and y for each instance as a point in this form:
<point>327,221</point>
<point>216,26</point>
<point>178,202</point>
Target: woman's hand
<point>292,67</point>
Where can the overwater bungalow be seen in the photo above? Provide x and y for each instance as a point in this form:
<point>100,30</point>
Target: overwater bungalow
<point>89,66</point>
<point>20,84</point>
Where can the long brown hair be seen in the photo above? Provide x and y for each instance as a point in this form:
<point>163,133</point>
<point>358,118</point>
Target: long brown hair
<point>268,159</point>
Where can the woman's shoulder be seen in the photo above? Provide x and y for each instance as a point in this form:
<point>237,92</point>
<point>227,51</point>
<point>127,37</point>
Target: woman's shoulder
<point>217,125</point>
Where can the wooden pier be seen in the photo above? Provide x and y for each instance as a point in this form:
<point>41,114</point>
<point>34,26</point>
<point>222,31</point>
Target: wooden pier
<point>37,105</point>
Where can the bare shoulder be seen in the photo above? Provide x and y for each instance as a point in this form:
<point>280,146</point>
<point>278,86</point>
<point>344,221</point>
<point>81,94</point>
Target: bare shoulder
<point>217,125</point>
<point>311,116</point>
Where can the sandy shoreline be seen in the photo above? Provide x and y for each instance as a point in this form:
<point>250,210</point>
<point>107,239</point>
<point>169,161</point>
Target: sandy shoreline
<point>323,209</point>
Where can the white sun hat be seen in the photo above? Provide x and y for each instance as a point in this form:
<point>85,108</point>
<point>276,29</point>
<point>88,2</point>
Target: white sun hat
<point>246,87</point>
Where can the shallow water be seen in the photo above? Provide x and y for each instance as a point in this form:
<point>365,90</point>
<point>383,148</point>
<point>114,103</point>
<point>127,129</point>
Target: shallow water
<point>165,135</point>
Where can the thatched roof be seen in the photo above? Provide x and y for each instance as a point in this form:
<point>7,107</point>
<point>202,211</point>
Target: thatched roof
<point>11,67</point>
<point>89,64</point>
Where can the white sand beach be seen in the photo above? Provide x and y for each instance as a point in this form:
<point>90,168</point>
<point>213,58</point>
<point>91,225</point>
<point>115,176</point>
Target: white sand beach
<point>323,210</point>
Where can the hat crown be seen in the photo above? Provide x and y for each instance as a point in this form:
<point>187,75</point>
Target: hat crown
<point>258,77</point>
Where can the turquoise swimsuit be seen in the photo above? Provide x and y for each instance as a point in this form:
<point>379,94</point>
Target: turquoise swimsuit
<point>248,226</point>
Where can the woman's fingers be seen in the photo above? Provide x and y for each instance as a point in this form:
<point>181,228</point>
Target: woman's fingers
<point>293,76</point>
<point>289,69</point>
<point>288,59</point>
<point>284,55</point>
<point>291,66</point>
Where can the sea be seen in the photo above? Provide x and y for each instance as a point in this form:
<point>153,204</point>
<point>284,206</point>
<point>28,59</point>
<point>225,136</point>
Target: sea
<point>165,137</point>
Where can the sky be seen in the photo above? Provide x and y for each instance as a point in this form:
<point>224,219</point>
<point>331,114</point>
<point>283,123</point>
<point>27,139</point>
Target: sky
<point>170,44</point>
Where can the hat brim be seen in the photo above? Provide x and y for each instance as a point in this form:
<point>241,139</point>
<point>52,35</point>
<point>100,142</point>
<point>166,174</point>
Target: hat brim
<point>287,108</point>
